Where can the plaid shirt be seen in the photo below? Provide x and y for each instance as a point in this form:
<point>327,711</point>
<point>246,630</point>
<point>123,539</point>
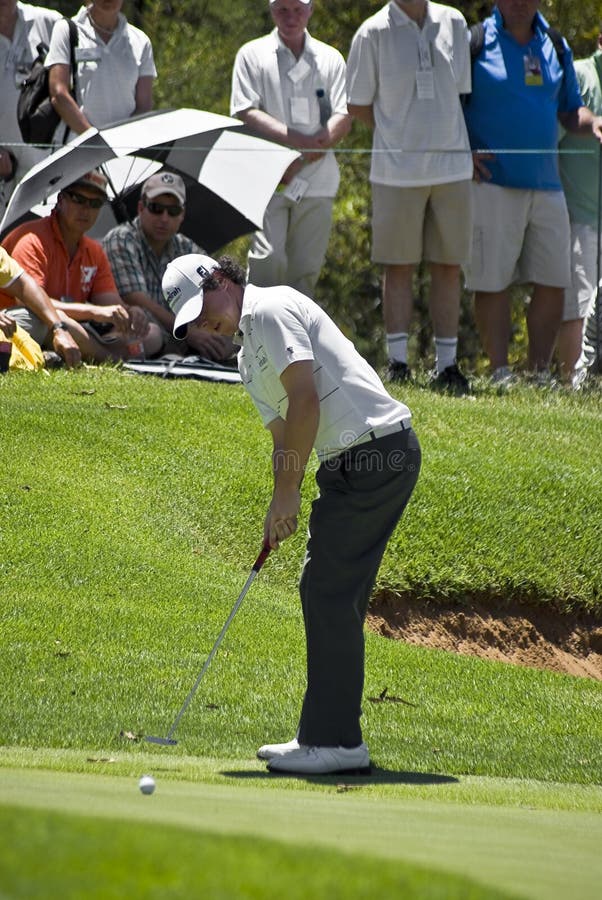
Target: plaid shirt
<point>135,265</point>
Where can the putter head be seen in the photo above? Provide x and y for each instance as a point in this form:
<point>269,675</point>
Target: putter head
<point>160,740</point>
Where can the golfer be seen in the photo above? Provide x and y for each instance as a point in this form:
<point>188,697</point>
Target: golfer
<point>312,389</point>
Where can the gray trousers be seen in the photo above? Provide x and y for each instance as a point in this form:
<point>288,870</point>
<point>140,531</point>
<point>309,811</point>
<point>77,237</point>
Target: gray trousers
<point>363,493</point>
<point>293,244</point>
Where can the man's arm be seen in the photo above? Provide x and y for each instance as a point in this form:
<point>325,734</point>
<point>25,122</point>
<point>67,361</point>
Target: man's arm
<point>293,441</point>
<point>144,94</point>
<point>364,114</point>
<point>59,80</point>
<point>582,121</point>
<point>34,298</point>
<point>142,299</point>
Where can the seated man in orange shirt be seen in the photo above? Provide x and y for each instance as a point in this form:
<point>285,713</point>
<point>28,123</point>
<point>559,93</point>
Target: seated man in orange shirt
<point>74,271</point>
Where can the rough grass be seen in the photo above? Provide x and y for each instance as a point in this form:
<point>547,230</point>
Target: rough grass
<point>132,510</point>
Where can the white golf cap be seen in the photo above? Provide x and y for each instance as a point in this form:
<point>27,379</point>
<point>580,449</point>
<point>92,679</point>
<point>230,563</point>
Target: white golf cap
<point>182,287</point>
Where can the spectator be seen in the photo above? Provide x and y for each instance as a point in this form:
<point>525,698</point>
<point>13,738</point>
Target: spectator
<point>75,272</point>
<point>408,65</point>
<point>521,87</point>
<point>312,389</point>
<point>579,172</point>
<point>16,285</point>
<point>139,252</point>
<point>115,68</point>
<point>22,28</point>
<point>290,88</point>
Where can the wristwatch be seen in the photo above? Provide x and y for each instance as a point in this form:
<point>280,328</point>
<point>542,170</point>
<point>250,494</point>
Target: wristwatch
<point>59,326</point>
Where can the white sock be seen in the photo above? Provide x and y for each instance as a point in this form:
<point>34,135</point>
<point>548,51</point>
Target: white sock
<point>397,346</point>
<point>445,352</point>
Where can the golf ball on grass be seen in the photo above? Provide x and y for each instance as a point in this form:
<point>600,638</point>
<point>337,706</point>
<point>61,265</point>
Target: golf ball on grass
<point>147,784</point>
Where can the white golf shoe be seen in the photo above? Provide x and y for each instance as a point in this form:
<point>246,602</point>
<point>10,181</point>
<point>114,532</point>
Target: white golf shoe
<point>270,750</point>
<point>304,760</point>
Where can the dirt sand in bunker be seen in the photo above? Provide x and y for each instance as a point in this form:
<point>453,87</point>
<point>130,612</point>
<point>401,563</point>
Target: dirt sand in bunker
<point>508,632</point>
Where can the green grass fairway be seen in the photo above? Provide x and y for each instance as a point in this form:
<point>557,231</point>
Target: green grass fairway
<point>131,510</point>
<point>519,850</point>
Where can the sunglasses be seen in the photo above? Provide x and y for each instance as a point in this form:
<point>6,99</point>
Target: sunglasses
<point>80,200</point>
<point>157,209</point>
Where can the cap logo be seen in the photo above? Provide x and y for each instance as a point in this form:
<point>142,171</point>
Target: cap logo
<point>166,178</point>
<point>203,272</point>
<point>172,294</point>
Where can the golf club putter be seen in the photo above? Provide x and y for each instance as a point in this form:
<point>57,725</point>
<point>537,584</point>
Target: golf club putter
<point>169,740</point>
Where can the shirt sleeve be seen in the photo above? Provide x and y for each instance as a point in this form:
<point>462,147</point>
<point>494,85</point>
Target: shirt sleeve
<point>361,72</point>
<point>462,61</point>
<point>147,63</point>
<point>244,94</point>
<point>30,254</point>
<point>285,336</point>
<point>60,46</point>
<point>337,87</point>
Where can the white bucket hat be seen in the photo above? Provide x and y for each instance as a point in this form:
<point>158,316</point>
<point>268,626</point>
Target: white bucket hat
<point>182,287</point>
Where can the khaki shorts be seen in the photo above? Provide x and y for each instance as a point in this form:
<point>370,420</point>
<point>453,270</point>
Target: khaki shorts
<point>519,237</point>
<point>433,223</point>
<point>579,298</point>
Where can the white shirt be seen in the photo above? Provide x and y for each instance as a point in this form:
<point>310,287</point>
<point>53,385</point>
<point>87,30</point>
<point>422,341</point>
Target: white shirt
<point>34,26</point>
<point>281,326</point>
<point>107,74</point>
<point>389,59</point>
<point>267,76</point>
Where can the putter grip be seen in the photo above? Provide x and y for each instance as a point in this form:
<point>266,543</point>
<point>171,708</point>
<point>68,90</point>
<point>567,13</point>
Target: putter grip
<point>265,552</point>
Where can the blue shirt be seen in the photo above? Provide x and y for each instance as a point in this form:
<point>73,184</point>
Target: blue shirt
<point>505,112</point>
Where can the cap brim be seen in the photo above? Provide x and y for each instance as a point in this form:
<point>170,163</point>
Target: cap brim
<point>182,287</point>
<point>186,312</point>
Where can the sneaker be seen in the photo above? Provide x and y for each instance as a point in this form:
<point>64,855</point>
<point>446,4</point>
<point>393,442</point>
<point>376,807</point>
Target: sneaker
<point>542,378</point>
<point>398,371</point>
<point>503,376</point>
<point>578,378</point>
<point>270,750</point>
<point>451,380</point>
<point>323,761</point>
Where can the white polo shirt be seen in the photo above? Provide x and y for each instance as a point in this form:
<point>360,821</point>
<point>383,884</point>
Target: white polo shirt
<point>107,74</point>
<point>267,76</point>
<point>281,326</point>
<point>391,61</point>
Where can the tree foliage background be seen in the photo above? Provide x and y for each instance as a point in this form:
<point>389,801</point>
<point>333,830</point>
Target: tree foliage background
<point>195,42</point>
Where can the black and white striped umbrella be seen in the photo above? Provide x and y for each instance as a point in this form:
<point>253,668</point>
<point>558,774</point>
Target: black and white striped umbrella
<point>230,173</point>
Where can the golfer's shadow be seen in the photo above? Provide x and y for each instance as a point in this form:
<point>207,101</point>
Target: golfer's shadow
<point>377,776</point>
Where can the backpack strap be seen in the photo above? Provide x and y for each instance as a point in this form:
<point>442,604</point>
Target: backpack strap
<point>558,42</point>
<point>73,42</point>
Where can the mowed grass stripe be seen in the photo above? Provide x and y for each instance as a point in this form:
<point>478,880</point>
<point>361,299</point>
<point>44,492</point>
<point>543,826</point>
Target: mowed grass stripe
<point>72,857</point>
<point>527,852</point>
